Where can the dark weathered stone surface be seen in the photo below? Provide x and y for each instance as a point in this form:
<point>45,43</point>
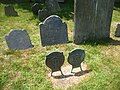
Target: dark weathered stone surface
<point>76,57</point>
<point>53,31</point>
<point>60,0</point>
<point>18,40</point>
<point>10,11</point>
<point>39,1</point>
<point>117,32</point>
<point>52,6</point>
<point>54,61</point>
<point>35,8</point>
<point>92,20</point>
<point>43,14</point>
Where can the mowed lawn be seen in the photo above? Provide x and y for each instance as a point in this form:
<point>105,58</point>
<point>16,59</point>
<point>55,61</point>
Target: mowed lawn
<point>26,69</point>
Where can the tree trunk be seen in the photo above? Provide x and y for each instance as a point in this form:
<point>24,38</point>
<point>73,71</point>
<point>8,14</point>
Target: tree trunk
<point>92,20</point>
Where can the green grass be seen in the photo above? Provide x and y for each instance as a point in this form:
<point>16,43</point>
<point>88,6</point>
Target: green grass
<point>26,70</point>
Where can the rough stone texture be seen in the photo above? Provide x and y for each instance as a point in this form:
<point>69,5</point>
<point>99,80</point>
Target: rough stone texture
<point>117,32</point>
<point>10,11</point>
<point>76,57</point>
<point>18,40</point>
<point>53,31</point>
<point>60,0</point>
<point>39,1</point>
<point>92,20</point>
<point>43,14</point>
<point>54,61</point>
<point>52,6</point>
<point>35,8</point>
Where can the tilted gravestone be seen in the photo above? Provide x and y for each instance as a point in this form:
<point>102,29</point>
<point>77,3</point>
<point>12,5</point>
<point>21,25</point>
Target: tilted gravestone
<point>117,32</point>
<point>54,61</point>
<point>92,20</point>
<point>10,11</point>
<point>43,14</point>
<point>35,8</point>
<point>75,58</point>
<point>18,40</point>
<point>53,31</point>
<point>52,6</point>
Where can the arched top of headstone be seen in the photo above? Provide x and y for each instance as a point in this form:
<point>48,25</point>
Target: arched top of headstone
<point>16,32</point>
<point>55,60</point>
<point>18,40</point>
<point>76,57</point>
<point>53,19</point>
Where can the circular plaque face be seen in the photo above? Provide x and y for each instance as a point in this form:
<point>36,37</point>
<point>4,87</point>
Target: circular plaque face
<point>54,61</point>
<point>76,57</point>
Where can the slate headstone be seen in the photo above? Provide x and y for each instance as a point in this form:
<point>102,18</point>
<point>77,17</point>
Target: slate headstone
<point>61,1</point>
<point>39,1</point>
<point>10,11</point>
<point>35,8</point>
<point>75,58</point>
<point>18,40</point>
<point>117,32</point>
<point>43,14</point>
<point>52,6</point>
<point>53,31</point>
<point>54,61</point>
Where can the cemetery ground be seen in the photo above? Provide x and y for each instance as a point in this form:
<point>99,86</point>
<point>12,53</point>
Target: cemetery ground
<point>26,69</point>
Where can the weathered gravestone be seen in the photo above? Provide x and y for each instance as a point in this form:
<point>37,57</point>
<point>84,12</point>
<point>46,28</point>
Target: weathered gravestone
<point>18,40</point>
<point>53,31</point>
<point>52,6</point>
<point>54,61</point>
<point>61,1</point>
<point>43,14</point>
<point>117,32</point>
<point>92,20</point>
<point>10,11</point>
<point>75,58</point>
<point>35,8</point>
<point>39,1</point>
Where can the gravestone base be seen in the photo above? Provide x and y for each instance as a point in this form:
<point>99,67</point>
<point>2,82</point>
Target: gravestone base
<point>70,79</point>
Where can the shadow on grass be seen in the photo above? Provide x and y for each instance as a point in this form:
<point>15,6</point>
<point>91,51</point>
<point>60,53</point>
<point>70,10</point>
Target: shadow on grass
<point>81,73</point>
<point>104,42</point>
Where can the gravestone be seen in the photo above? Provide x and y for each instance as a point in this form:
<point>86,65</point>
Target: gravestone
<point>52,6</point>
<point>43,14</point>
<point>39,1</point>
<point>54,61</point>
<point>61,1</point>
<point>35,8</point>
<point>53,31</point>
<point>117,32</point>
<point>10,11</point>
<point>75,58</point>
<point>18,40</point>
<point>92,20</point>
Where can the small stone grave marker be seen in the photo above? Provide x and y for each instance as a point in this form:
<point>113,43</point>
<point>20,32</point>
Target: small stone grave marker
<point>35,8</point>
<point>53,31</point>
<point>18,40</point>
<point>75,58</point>
<point>52,6</point>
<point>117,32</point>
<point>10,11</point>
<point>43,14</point>
<point>54,61</point>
